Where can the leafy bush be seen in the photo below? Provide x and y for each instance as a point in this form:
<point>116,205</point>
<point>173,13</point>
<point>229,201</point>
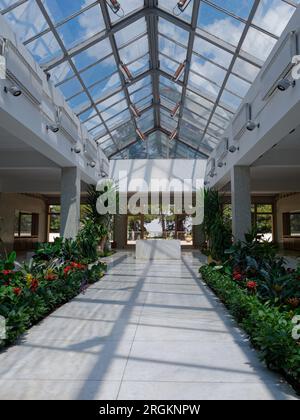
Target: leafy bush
<point>270,329</point>
<point>30,292</point>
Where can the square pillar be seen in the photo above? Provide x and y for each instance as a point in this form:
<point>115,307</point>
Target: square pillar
<point>241,202</point>
<point>70,202</point>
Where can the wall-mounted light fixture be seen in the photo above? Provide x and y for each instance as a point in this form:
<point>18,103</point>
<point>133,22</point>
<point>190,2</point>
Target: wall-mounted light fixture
<point>140,134</point>
<point>251,125</point>
<point>92,164</point>
<point>285,84</point>
<point>53,127</point>
<point>179,71</point>
<point>13,90</point>
<point>126,72</point>
<point>233,149</point>
<point>76,149</point>
<point>173,134</point>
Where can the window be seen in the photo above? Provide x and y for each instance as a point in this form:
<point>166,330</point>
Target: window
<point>291,224</point>
<point>26,225</point>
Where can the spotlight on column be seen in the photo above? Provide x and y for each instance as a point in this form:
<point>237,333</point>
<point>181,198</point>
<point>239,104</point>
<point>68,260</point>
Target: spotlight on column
<point>206,183</point>
<point>285,84</point>
<point>135,111</point>
<point>179,71</point>
<point>126,72</point>
<point>233,149</point>
<point>76,150</point>
<point>13,90</point>
<point>251,125</point>
<point>53,127</point>
<point>221,164</point>
<point>173,135</point>
<point>114,6</point>
<point>92,164</point>
<point>175,111</point>
<point>140,134</point>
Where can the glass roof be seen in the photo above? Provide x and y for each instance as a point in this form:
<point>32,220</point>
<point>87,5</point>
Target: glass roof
<point>147,78</point>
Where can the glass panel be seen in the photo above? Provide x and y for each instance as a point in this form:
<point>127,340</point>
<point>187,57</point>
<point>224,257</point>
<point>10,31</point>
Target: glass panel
<point>71,88</point>
<point>127,7</point>
<point>264,224</point>
<point>119,119</point>
<point>141,94</point>
<point>258,44</point>
<point>135,50</point>
<point>87,114</point>
<point>92,55</point>
<point>237,85</point>
<point>93,122</point>
<point>130,32</point>
<point>211,52</point>
<point>146,122</point>
<point>171,49</point>
<point>59,10</point>
<point>170,6</point>
<point>237,7</point>
<point>98,131</point>
<point>45,48</point>
<point>203,86</point>
<point>27,20</point>
<point>199,99</point>
<point>173,31</point>
<point>114,110</point>
<point>140,66</point>
<point>295,224</point>
<point>111,101</point>
<point>79,103</point>
<point>245,70</point>
<point>208,70</point>
<point>220,24</point>
<point>168,66</point>
<point>197,109</point>
<point>140,84</point>
<point>61,72</point>
<point>273,15</point>
<point>105,87</point>
<point>82,27</point>
<point>230,100</point>
<point>99,71</point>
<point>124,134</point>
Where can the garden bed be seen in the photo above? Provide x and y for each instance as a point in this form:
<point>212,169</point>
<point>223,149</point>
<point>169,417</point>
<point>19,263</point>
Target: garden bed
<point>29,293</point>
<point>270,328</point>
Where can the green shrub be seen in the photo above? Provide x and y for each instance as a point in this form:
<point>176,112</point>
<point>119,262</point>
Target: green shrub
<point>30,292</point>
<point>270,329</point>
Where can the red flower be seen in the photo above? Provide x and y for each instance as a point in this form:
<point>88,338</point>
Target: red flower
<point>67,270</point>
<point>51,277</point>
<point>17,291</point>
<point>251,285</point>
<point>237,277</point>
<point>6,272</point>
<point>34,285</point>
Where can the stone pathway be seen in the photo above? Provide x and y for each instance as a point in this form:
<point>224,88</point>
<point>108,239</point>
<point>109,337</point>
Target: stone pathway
<point>146,331</point>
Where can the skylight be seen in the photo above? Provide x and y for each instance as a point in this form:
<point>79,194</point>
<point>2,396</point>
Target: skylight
<point>125,66</point>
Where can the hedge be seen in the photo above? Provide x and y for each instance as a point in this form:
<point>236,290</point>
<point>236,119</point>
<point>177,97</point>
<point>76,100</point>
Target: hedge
<point>23,310</point>
<point>269,330</point>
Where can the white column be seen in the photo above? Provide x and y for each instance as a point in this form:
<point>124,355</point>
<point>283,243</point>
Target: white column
<point>70,202</point>
<point>241,201</point>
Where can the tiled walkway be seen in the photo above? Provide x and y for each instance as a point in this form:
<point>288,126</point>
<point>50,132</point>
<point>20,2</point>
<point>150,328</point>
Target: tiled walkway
<point>146,331</point>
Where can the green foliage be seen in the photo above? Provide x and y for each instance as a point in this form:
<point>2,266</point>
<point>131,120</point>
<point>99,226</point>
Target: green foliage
<point>270,329</point>
<point>30,291</point>
<point>216,229</point>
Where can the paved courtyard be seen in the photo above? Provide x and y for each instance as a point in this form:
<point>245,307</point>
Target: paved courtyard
<point>148,330</point>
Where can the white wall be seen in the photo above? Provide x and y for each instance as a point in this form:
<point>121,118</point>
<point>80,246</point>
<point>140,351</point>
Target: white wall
<point>160,169</point>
